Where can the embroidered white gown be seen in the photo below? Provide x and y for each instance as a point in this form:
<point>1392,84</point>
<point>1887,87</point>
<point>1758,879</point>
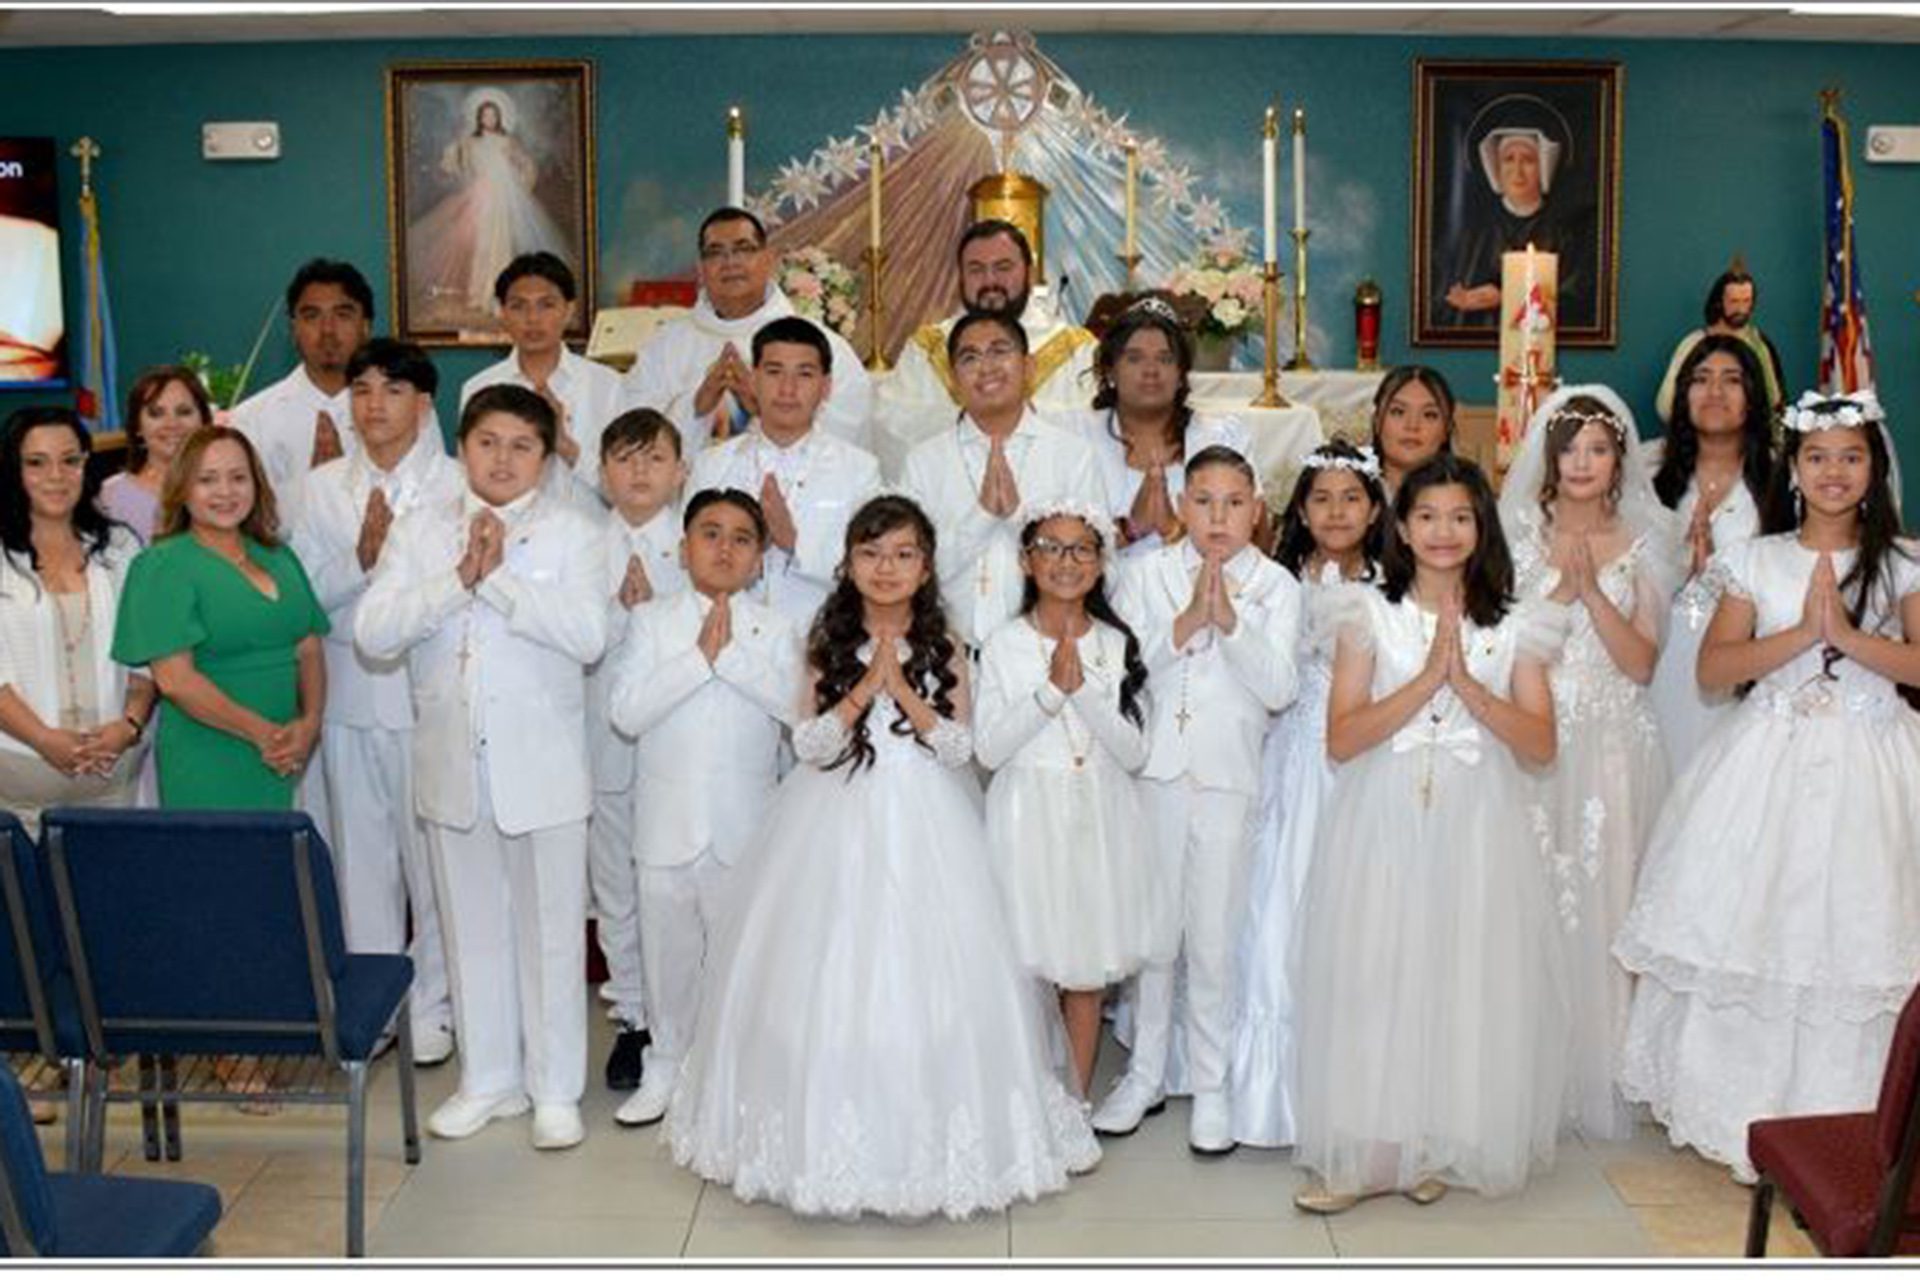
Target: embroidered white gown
<point>1776,929</point>
<point>1688,714</point>
<point>868,1040</point>
<point>1432,1024</point>
<point>1298,782</point>
<point>1602,795</point>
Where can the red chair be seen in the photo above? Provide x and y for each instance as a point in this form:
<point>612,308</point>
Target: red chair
<point>1848,1179</point>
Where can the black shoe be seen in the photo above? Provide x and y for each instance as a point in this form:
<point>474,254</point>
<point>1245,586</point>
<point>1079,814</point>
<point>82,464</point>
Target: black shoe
<point>623,1065</point>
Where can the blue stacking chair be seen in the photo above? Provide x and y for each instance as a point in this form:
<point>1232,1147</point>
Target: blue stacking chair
<point>218,933</point>
<point>90,1216</point>
<point>37,1012</point>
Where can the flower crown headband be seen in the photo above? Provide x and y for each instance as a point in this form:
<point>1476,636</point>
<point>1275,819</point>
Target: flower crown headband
<point>1815,411</point>
<point>1156,307</point>
<point>1582,420</point>
<point>1320,459</point>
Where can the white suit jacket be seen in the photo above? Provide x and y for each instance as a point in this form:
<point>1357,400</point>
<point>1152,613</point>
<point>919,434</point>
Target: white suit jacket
<point>824,481</point>
<point>1212,701</point>
<point>979,554</point>
<point>499,673</point>
<point>363,692</point>
<point>657,544</point>
<point>280,420</point>
<point>708,733</point>
<point>591,393</point>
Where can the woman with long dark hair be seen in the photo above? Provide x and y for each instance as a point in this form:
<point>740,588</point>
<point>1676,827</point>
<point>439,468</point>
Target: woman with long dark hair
<point>1413,421</point>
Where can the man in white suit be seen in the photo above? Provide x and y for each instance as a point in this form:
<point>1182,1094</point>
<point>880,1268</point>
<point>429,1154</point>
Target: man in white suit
<point>495,598</point>
<point>351,505</point>
<point>807,482</point>
<point>973,477</point>
<point>706,680</point>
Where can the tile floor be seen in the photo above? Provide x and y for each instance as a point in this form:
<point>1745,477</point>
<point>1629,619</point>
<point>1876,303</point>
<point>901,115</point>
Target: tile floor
<point>282,1180</point>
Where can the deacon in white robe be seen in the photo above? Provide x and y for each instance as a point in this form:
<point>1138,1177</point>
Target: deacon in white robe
<point>695,369</point>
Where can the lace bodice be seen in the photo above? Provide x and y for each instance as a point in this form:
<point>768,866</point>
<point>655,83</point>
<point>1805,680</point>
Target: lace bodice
<point>1587,684</point>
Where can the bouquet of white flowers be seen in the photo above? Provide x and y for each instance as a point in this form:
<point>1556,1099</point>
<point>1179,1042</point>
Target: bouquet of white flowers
<point>821,287</point>
<point>1228,282</point>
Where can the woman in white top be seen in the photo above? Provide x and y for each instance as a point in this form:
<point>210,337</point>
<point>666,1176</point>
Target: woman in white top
<point>70,717</point>
<point>167,405</point>
<point>1141,428</point>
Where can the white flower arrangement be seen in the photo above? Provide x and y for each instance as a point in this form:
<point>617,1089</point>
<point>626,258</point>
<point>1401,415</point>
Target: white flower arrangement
<point>1229,282</point>
<point>821,287</point>
<point>1816,411</point>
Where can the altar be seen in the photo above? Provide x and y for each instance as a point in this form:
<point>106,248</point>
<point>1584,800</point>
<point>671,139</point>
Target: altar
<point>1320,403</point>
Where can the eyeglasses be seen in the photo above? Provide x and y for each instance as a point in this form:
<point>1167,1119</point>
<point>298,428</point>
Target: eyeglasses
<point>1079,553</point>
<point>973,357</point>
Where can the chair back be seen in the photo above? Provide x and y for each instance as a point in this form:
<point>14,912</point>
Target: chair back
<point>26,1198</point>
<point>28,954</point>
<point>194,931</point>
<point>1898,1084</point>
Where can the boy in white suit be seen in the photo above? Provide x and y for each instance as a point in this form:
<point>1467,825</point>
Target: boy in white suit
<point>643,472</point>
<point>495,599</point>
<point>1218,622</point>
<point>706,680</point>
<point>380,851</point>
<point>808,482</point>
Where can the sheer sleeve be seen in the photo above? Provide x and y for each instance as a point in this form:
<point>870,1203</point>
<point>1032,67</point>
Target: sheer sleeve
<point>820,739</point>
<point>1540,629</point>
<point>1340,612</point>
<point>950,739</point>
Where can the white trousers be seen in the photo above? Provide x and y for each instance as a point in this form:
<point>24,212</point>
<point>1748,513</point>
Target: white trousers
<point>1206,839</point>
<point>679,907</point>
<point>313,797</point>
<point>616,905</point>
<point>380,858</point>
<point>513,913</point>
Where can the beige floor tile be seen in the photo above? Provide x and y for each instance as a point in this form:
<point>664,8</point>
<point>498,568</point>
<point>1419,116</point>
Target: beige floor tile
<point>1719,1230</point>
<point>1137,1239</point>
<point>1246,1185</point>
<point>312,1173</point>
<point>771,1232</point>
<point>229,1169</point>
<point>1677,1178</point>
<point>1574,1189</point>
<point>287,1227</point>
<point>1510,1239</point>
<point>594,1179</point>
<point>408,1233</point>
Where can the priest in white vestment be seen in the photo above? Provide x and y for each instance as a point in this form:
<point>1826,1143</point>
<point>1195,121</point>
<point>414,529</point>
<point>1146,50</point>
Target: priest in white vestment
<point>695,369</point>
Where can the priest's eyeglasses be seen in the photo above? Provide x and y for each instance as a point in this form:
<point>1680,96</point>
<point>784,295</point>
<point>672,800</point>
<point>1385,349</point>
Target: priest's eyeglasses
<point>973,357</point>
<point>1078,553</point>
<point>738,251</point>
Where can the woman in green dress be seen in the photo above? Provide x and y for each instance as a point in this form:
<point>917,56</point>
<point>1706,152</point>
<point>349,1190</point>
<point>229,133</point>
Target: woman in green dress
<point>221,610</point>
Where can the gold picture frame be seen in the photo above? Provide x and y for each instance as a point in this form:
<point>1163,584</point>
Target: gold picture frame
<point>486,159</point>
<point>1473,197</point>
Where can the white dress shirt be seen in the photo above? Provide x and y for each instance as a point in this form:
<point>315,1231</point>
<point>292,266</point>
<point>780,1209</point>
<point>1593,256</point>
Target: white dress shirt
<point>674,362</point>
<point>498,672</point>
<point>979,553</point>
<point>591,393</point>
<point>30,635</point>
<point>657,545</point>
<point>824,480</point>
<point>362,692</point>
<point>708,733</point>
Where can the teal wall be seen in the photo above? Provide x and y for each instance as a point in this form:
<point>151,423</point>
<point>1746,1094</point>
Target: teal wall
<point>1721,153</point>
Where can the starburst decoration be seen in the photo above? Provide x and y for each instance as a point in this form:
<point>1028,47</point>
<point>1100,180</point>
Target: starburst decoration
<point>1153,157</point>
<point>765,207</point>
<point>887,131</point>
<point>916,110</point>
<point>1173,187</point>
<point>841,160</point>
<point>1207,215</point>
<point>800,184</point>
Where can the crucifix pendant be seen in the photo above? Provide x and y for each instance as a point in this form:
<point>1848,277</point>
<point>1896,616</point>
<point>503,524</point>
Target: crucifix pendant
<point>1181,717</point>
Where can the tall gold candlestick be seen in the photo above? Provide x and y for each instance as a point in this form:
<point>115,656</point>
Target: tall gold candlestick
<point>875,258</point>
<point>1300,360</point>
<point>1270,397</point>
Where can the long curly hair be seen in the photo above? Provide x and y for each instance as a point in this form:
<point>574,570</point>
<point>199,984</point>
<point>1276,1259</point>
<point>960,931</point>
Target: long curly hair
<point>840,629</point>
<point>1682,452</point>
<point>1100,608</point>
<point>1488,580</point>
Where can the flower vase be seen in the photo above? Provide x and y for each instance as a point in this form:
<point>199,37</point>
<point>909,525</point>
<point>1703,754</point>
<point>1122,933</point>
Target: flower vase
<point>1213,353</point>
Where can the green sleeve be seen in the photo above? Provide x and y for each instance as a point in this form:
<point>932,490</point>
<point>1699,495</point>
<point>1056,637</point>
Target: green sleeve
<point>159,610</point>
<point>318,624</point>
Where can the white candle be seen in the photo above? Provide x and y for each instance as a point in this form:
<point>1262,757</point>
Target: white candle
<point>736,158</point>
<point>1269,180</point>
<point>875,169</point>
<point>1133,178</point>
<point>1299,169</point>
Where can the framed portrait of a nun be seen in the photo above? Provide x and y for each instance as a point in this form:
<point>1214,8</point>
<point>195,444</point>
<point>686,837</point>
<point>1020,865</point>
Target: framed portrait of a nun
<point>1506,155</point>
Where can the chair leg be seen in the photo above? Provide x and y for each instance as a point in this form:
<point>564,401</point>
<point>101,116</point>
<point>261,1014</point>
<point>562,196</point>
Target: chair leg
<point>409,1114</point>
<point>96,1119</point>
<point>149,1110</point>
<point>76,1114</point>
<point>1759,1218</point>
<point>356,1160</point>
<point>170,1107</point>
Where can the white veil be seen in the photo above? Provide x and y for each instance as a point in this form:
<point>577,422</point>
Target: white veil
<point>1639,508</point>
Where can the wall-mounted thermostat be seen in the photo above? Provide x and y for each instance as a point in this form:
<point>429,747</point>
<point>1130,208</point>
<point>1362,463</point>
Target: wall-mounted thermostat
<point>240,140</point>
<point>1893,144</point>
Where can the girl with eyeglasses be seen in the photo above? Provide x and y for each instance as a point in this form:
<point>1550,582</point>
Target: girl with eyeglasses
<point>1061,720</point>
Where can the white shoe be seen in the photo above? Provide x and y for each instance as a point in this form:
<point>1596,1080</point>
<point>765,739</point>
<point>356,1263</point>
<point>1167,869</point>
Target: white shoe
<point>1131,1102</point>
<point>1210,1126</point>
<point>649,1103</point>
<point>557,1125</point>
<point>432,1046</point>
<point>464,1114</point>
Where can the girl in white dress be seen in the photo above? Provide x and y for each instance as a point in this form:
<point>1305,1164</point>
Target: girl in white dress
<point>1331,533</point>
<point>1711,471</point>
<point>1432,1024</point>
<point>1776,929</point>
<point>1141,428</point>
<point>1061,721</point>
<point>1588,532</point>
<point>868,1040</point>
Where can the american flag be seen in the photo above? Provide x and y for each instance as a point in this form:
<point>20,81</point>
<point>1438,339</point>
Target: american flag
<point>1846,355</point>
